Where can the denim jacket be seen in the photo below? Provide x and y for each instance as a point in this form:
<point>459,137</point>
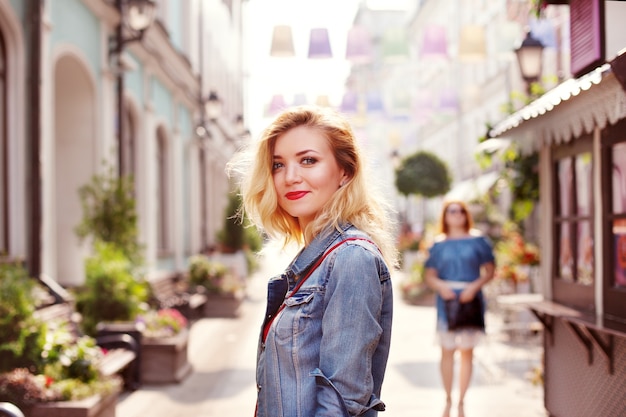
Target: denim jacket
<point>325,354</point>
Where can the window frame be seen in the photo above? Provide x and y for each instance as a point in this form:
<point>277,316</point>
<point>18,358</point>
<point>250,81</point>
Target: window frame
<point>614,299</point>
<point>574,294</point>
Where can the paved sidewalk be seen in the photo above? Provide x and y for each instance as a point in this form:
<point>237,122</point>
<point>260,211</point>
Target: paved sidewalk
<point>223,353</point>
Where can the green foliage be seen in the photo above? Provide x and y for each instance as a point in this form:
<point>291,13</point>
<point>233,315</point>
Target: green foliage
<point>214,276</point>
<point>522,175</point>
<point>109,213</point>
<point>111,292</point>
<point>423,173</point>
<point>238,233</point>
<point>21,337</point>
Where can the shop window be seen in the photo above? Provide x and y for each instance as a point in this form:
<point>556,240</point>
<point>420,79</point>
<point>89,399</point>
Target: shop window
<point>614,193</point>
<point>573,273</point>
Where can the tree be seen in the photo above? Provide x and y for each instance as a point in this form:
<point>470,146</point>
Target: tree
<point>423,173</point>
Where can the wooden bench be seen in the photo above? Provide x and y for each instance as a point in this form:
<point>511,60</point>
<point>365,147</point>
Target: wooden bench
<point>122,350</point>
<point>172,292</point>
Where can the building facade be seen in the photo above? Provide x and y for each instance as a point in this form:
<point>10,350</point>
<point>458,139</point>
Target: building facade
<point>578,129</point>
<point>63,109</point>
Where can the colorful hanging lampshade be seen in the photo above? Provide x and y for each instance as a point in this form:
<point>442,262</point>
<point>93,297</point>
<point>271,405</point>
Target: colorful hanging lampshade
<point>544,31</point>
<point>277,104</point>
<point>322,100</point>
<point>509,36</point>
<point>319,44</point>
<point>424,107</point>
<point>359,45</point>
<point>300,99</point>
<point>434,42</point>
<point>472,43</point>
<point>448,100</point>
<point>349,102</point>
<point>374,102</point>
<point>395,45</point>
<point>282,42</point>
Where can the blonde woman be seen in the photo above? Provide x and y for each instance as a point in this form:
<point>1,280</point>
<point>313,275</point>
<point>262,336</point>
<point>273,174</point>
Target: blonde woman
<point>325,338</point>
<point>460,262</point>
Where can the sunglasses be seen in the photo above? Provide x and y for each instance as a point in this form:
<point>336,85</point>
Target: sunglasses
<point>455,210</point>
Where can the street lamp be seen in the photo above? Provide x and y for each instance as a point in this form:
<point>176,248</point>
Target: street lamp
<point>213,106</point>
<point>530,57</point>
<point>135,17</point>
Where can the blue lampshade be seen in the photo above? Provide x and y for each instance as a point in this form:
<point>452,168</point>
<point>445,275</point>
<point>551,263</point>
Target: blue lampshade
<point>319,44</point>
<point>359,45</point>
<point>375,102</point>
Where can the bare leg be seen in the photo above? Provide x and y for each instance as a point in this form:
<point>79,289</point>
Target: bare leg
<point>447,368</point>
<point>465,375</point>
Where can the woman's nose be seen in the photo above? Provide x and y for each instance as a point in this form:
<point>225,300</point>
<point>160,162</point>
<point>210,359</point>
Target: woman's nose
<point>292,174</point>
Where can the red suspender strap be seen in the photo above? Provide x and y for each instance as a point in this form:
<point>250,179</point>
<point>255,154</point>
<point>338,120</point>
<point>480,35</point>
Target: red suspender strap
<point>304,278</point>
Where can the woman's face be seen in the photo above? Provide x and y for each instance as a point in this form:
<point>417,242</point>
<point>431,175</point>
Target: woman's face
<point>455,215</point>
<point>305,172</point>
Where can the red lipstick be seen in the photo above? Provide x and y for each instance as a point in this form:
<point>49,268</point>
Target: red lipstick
<point>296,195</point>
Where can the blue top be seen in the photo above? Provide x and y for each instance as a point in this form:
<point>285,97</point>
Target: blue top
<point>460,259</point>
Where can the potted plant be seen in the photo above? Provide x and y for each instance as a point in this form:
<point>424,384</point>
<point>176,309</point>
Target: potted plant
<point>224,288</point>
<point>44,370</point>
<point>164,345</point>
<point>111,292</point>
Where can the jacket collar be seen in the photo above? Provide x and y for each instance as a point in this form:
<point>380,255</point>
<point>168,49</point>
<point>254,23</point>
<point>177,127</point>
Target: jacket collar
<point>314,250</point>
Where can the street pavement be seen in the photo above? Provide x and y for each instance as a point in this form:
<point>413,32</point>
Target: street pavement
<point>223,353</point>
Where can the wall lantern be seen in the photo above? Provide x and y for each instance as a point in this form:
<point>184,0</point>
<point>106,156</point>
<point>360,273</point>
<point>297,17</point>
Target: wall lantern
<point>530,57</point>
<point>135,17</point>
<point>213,106</point>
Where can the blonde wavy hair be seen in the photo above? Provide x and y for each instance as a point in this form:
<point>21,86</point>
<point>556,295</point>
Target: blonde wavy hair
<point>357,202</point>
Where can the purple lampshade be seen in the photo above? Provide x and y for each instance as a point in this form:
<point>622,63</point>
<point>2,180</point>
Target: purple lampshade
<point>282,42</point>
<point>359,45</point>
<point>434,43</point>
<point>277,104</point>
<point>448,100</point>
<point>349,102</point>
<point>319,44</point>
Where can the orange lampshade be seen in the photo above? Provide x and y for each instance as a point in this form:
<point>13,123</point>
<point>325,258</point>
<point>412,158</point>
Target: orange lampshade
<point>282,42</point>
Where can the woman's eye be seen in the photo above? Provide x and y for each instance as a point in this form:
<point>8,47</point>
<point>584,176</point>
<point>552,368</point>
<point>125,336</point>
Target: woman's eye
<point>276,165</point>
<point>309,160</point>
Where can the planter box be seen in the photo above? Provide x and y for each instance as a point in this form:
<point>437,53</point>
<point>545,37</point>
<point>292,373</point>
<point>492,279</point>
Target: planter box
<point>164,360</point>
<point>95,406</point>
<point>223,305</point>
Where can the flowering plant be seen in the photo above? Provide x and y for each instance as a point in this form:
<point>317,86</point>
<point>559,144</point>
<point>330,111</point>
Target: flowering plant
<point>513,253</point>
<point>166,322</point>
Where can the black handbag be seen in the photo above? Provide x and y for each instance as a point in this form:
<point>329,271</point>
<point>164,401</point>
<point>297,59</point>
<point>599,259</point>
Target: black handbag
<point>465,315</point>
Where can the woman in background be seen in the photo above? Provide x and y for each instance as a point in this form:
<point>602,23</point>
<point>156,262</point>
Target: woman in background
<point>461,261</point>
